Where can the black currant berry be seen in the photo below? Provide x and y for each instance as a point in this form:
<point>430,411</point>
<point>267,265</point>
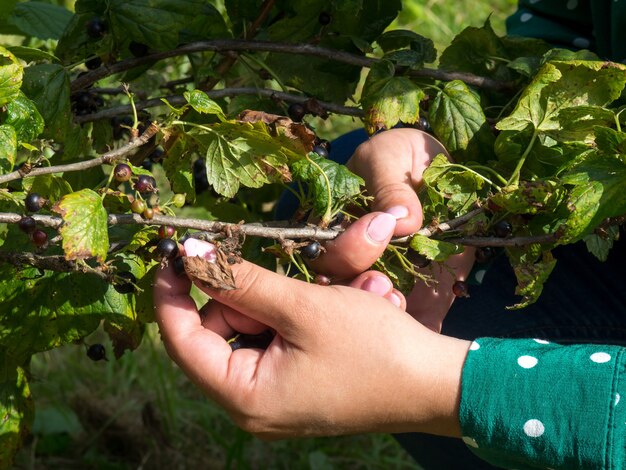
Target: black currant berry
<point>503,229</point>
<point>138,49</point>
<point>179,265</point>
<point>96,352</point>
<point>484,254</point>
<point>34,202</point>
<point>27,224</point>
<point>93,63</point>
<point>201,182</point>
<point>122,172</point>
<point>167,248</point>
<point>425,125</point>
<point>157,155</point>
<point>417,259</point>
<point>96,28</point>
<point>323,143</point>
<point>138,206</point>
<point>39,238</point>
<point>296,112</point>
<point>321,151</point>
<point>260,341</point>
<point>460,289</point>
<point>166,231</point>
<point>145,184</point>
<point>324,18</point>
<point>312,250</point>
<point>125,287</point>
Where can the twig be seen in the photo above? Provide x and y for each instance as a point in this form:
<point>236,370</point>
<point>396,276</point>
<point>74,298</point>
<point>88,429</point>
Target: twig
<point>228,61</point>
<point>94,162</point>
<point>179,100</point>
<point>442,227</point>
<point>51,263</point>
<point>504,242</point>
<point>238,45</point>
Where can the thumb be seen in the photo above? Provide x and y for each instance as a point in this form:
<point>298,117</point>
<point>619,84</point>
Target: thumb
<point>268,297</point>
<point>392,164</point>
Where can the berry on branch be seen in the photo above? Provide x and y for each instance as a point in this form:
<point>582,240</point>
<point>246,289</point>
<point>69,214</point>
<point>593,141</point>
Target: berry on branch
<point>96,352</point>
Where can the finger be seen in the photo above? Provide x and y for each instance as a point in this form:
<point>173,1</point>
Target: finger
<point>227,321</point>
<point>377,283</point>
<point>272,299</point>
<point>392,164</point>
<point>357,248</point>
<point>203,354</point>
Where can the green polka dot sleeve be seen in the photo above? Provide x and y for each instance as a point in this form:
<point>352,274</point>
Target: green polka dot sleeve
<point>528,404</point>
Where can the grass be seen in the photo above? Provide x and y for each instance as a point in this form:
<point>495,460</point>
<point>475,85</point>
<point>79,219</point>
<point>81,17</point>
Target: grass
<point>140,411</point>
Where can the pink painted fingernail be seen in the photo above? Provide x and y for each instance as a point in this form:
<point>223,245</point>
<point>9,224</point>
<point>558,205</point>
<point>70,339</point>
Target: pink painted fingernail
<point>194,247</point>
<point>377,285</point>
<point>399,212</point>
<point>381,227</point>
<point>395,299</point>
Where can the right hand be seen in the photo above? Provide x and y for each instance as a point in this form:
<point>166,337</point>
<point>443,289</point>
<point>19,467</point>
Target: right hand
<point>392,164</point>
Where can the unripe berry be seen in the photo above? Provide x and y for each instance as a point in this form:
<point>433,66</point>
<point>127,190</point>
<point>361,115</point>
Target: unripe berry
<point>148,213</point>
<point>166,231</point>
<point>460,289</point>
<point>122,172</point>
<point>39,238</point>
<point>178,200</point>
<point>322,280</point>
<point>138,206</point>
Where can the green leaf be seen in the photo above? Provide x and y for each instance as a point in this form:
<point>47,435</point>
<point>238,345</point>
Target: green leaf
<point>32,54</point>
<point>232,159</point>
<point>8,148</point>
<point>457,185</point>
<point>600,246</point>
<point>11,74</point>
<point>6,7</point>
<point>24,116</point>
<point>156,23</point>
<point>531,276</point>
<point>458,120</point>
<point>388,99</point>
<point>530,197</point>
<point>344,184</point>
<point>208,24</point>
<point>599,192</point>
<point>435,250</point>
<point>178,168</point>
<point>84,230</point>
<point>53,187</point>
<point>474,50</point>
<point>200,101</point>
<point>48,85</point>
<point>42,310</point>
<point>40,20</point>
<point>562,85</point>
<point>16,409</point>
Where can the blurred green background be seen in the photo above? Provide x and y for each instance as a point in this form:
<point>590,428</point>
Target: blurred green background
<point>141,412</point>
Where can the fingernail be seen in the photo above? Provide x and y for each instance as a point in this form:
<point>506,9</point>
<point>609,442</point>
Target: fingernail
<point>381,227</point>
<point>194,247</point>
<point>377,285</point>
<point>399,212</point>
<point>395,299</point>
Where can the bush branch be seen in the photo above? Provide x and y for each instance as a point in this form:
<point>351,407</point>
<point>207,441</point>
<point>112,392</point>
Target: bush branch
<point>108,157</point>
<point>179,100</point>
<point>50,263</point>
<point>239,45</point>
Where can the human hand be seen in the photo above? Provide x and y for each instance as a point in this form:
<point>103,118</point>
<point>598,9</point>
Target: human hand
<point>392,164</point>
<point>343,360</point>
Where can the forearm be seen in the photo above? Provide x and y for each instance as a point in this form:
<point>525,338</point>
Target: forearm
<point>530,403</point>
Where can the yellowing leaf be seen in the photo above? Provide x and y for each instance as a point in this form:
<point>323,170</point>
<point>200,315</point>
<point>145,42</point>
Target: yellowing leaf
<point>84,229</point>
